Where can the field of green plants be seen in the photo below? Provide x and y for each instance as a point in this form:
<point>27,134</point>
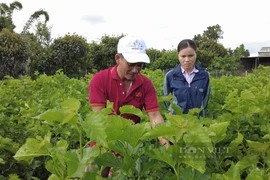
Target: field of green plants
<point>47,124</point>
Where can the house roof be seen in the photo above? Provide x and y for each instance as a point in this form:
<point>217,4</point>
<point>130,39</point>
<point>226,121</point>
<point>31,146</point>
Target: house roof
<point>265,49</point>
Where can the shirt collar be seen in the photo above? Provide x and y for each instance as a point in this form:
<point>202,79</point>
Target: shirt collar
<point>194,70</point>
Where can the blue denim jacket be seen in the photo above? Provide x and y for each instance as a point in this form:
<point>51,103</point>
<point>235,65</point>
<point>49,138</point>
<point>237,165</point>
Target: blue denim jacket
<point>187,96</point>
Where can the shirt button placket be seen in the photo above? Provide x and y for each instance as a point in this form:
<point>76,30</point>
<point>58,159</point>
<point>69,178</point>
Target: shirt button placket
<point>123,91</point>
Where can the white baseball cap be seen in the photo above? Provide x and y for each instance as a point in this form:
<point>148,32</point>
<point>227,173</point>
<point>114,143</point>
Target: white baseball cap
<point>133,49</point>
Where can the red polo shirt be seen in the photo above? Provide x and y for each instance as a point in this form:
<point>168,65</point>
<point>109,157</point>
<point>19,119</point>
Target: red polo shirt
<point>106,85</point>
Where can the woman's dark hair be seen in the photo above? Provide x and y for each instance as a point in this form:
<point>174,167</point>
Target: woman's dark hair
<point>186,43</point>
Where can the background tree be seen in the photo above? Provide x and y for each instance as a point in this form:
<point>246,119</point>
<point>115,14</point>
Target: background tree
<point>209,49</point>
<point>213,32</point>
<point>6,12</point>
<point>68,53</point>
<point>35,16</point>
<point>102,53</point>
<point>167,61</point>
<point>14,52</point>
<point>39,43</point>
<point>154,55</point>
<point>214,56</point>
<point>241,52</point>
<point>198,39</point>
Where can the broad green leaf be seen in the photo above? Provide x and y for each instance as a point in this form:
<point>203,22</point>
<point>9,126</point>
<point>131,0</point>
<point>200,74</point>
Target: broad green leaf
<point>267,136</point>
<point>52,115</point>
<point>236,146</point>
<point>180,125</point>
<point>198,138</point>
<point>161,155</point>
<point>94,127</point>
<point>71,104</point>
<point>177,109</point>
<point>188,173</point>
<point>70,107</point>
<point>109,160</point>
<point>159,130</point>
<point>128,164</point>
<point>54,177</point>
<point>33,148</point>
<point>56,166</point>
<point>195,162</point>
<point>133,133</point>
<point>116,126</point>
<point>13,177</point>
<point>129,109</point>
<point>76,165</point>
<point>247,95</point>
<point>2,161</point>
<point>8,144</point>
<point>258,146</point>
<point>255,174</point>
<point>234,171</point>
<point>219,130</point>
<point>195,111</point>
<point>60,148</point>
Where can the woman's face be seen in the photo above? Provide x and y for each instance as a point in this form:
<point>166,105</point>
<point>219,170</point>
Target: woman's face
<point>187,58</point>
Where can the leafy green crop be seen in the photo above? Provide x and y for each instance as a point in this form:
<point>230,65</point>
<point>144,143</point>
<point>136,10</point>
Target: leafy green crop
<point>47,124</point>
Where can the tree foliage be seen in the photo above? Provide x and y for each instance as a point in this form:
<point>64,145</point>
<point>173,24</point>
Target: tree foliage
<point>168,60</point>
<point>6,12</point>
<point>213,32</point>
<point>33,17</point>
<point>14,52</point>
<point>68,53</point>
<point>102,53</point>
<point>39,44</point>
<point>209,49</point>
<point>213,55</point>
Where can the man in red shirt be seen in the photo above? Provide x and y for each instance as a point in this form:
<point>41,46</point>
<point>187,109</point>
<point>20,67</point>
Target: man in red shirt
<point>123,84</point>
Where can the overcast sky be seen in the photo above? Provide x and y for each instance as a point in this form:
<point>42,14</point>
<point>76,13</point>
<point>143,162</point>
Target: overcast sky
<point>162,23</point>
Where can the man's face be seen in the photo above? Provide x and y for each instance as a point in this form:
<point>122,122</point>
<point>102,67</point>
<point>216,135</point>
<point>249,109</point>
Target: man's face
<point>127,71</point>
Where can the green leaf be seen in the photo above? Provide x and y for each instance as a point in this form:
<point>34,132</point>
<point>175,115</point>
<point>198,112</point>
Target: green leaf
<point>133,133</point>
<point>56,166</point>
<point>161,155</point>
<point>95,129</point>
<point>116,126</point>
<point>76,165</point>
<point>54,177</point>
<point>236,145</point>
<point>2,161</point>
<point>179,124</point>
<point>177,109</point>
<point>70,107</point>
<point>109,160</point>
<point>258,146</point>
<point>255,174</point>
<point>197,137</point>
<point>188,173</point>
<point>194,162</point>
<point>267,136</point>
<point>219,130</point>
<point>129,109</point>
<point>159,130</point>
<point>71,103</point>
<point>60,148</point>
<point>52,115</point>
<point>33,148</point>
<point>234,171</point>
